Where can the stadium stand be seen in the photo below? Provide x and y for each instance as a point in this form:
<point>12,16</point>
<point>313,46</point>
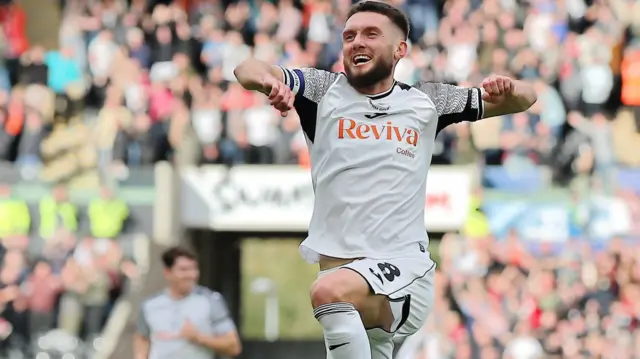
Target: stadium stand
<point>136,82</point>
<point>62,265</point>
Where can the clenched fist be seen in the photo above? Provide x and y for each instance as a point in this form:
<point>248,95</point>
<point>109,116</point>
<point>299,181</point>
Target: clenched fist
<point>497,89</point>
<point>280,95</point>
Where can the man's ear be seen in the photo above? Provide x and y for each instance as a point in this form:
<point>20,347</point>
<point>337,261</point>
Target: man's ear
<point>401,50</point>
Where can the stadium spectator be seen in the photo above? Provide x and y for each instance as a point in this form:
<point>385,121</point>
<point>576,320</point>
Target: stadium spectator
<point>135,145</point>
<point>57,212</point>
<point>135,82</point>
<point>631,80</point>
<point>555,306</point>
<point>75,283</point>
<point>13,19</point>
<point>93,274</point>
<point>260,123</point>
<point>43,287</point>
<point>15,219</point>
<point>5,80</point>
<point>12,277</point>
<point>598,130</point>
<point>198,323</point>
<point>102,49</point>
<point>574,54</point>
<point>107,215</point>
<point>64,70</point>
<point>138,49</point>
<point>33,68</point>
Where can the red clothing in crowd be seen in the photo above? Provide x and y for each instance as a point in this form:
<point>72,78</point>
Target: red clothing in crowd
<point>458,334</point>
<point>14,20</point>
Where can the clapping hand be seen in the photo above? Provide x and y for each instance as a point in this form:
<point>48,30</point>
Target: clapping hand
<point>189,332</point>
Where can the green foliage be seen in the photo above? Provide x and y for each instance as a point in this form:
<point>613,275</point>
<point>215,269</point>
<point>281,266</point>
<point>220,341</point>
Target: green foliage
<point>278,260</point>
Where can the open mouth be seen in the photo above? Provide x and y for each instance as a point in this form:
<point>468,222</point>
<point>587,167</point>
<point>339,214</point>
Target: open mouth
<point>361,59</point>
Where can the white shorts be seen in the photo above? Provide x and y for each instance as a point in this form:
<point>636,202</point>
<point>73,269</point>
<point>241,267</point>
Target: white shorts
<point>407,282</point>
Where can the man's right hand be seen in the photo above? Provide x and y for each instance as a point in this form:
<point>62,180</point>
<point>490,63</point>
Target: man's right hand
<point>280,95</point>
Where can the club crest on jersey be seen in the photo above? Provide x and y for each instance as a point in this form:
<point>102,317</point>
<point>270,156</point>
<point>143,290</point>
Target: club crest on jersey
<point>379,106</point>
<point>350,129</point>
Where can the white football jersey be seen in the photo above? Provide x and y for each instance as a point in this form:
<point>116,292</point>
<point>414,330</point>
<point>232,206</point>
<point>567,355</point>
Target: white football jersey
<point>369,160</point>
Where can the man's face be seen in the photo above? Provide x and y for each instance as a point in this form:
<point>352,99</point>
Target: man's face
<point>142,123</point>
<point>107,35</point>
<point>37,55</point>
<point>134,39</point>
<point>105,193</point>
<point>370,44</point>
<point>60,194</point>
<point>163,34</point>
<point>184,274</point>
<point>42,269</point>
<point>67,52</point>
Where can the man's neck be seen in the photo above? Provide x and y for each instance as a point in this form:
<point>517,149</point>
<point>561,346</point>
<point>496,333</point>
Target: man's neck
<point>378,88</point>
<point>176,294</point>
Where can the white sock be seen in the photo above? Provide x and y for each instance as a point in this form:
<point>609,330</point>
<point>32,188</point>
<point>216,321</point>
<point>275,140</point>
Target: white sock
<point>381,343</point>
<point>344,333</point>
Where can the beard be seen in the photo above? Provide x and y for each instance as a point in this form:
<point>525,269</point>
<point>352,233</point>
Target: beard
<point>380,70</point>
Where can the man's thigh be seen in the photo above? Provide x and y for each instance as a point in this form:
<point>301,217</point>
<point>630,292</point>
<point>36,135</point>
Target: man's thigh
<point>406,284</point>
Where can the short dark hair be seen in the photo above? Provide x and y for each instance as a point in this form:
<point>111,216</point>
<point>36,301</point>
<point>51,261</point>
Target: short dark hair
<point>171,255</point>
<point>394,14</point>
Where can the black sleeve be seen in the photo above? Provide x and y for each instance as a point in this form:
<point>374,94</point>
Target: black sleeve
<point>309,85</point>
<point>454,104</point>
<point>308,82</point>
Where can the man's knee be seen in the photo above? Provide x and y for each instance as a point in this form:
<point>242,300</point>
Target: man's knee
<point>343,285</point>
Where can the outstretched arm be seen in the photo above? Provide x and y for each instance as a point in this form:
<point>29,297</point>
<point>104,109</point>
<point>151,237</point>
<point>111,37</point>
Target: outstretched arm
<point>252,75</point>
<point>498,95</point>
<point>256,75</point>
<point>302,88</point>
<point>503,95</point>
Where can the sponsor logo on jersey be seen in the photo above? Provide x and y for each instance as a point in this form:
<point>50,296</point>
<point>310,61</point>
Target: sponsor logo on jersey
<point>350,129</point>
<point>371,116</point>
<point>406,152</point>
<point>379,106</point>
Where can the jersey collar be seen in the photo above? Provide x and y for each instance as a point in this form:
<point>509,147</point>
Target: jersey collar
<point>385,93</point>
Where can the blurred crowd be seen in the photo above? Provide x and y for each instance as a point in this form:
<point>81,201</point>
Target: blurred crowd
<point>582,56</point>
<point>61,266</point>
<point>138,81</point>
<point>506,301</point>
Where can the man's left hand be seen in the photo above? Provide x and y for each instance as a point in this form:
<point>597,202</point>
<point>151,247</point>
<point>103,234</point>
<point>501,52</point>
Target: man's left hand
<point>497,89</point>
